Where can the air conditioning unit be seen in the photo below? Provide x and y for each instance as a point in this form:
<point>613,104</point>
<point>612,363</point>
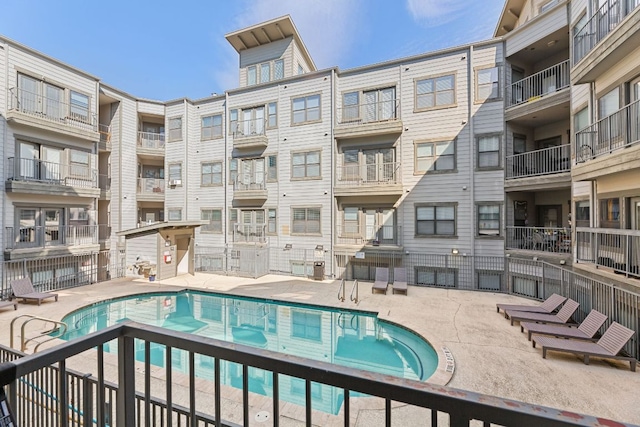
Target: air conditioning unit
<point>175,182</point>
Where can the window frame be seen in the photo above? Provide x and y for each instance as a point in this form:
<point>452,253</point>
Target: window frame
<point>212,127</point>
<point>269,168</point>
<point>436,205</point>
<point>269,221</point>
<point>212,173</point>
<point>435,105</point>
<point>477,70</point>
<point>306,176</point>
<point>306,120</point>
<point>211,227</point>
<point>499,234</point>
<point>306,232</point>
<point>478,137</point>
<point>253,67</point>
<point>174,210</point>
<point>168,174</point>
<point>436,271</point>
<point>268,115</point>
<point>76,116</point>
<point>435,142</point>
<point>275,62</point>
<point>170,133</point>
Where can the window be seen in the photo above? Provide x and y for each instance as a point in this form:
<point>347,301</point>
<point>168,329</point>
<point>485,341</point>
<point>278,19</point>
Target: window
<point>305,324</point>
<point>214,216</point>
<point>175,129</point>
<point>251,75</point>
<point>433,276</point>
<point>379,104</point>
<point>79,167</point>
<point>306,221</point>
<point>233,170</point>
<point>175,174</point>
<point>583,213</point>
<point>79,106</point>
<point>233,219</point>
<point>581,119</point>
<point>488,151</point>
<point>435,92</point>
<point>610,213</point>
<point>350,107</point>
<point>351,221</point>
<point>233,121</point>
<point>306,109</point>
<point>437,220</point>
<point>272,225</point>
<point>272,168</point>
<point>548,5</point>
<point>488,220</point>
<point>300,69</point>
<point>306,165</point>
<point>211,127</point>
<point>252,122</point>
<point>435,156</point>
<point>278,69</point>
<point>487,83</point>
<point>272,115</point>
<point>265,72</point>
<point>175,214</point>
<point>609,103</point>
<point>211,174</point>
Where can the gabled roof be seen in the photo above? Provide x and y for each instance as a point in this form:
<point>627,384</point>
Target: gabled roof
<point>267,32</point>
<point>509,16</point>
<point>160,226</point>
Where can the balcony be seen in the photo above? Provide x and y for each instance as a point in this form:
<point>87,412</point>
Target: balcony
<point>105,137</point>
<point>616,249</point>
<point>360,235</point>
<point>150,145</point>
<point>34,176</point>
<point>606,38</point>
<point>609,141</point>
<point>539,239</point>
<point>104,182</point>
<point>539,168</point>
<point>26,239</point>
<point>249,233</point>
<point>378,179</point>
<point>51,114</point>
<point>365,120</point>
<point>150,190</point>
<point>250,134</point>
<point>250,187</point>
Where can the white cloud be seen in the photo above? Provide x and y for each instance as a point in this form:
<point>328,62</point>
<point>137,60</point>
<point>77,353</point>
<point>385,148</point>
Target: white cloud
<point>434,12</point>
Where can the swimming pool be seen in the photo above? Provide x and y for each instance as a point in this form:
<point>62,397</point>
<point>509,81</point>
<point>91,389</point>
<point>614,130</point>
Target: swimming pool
<point>350,338</point>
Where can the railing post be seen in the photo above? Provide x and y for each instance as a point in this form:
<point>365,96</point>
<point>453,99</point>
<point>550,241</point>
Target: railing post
<point>126,397</point>
<point>87,400</point>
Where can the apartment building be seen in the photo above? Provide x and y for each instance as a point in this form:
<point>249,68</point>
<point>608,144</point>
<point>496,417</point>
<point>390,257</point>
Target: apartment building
<point>521,144</point>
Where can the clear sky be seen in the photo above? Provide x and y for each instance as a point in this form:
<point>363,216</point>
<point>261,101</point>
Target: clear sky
<point>164,50</point>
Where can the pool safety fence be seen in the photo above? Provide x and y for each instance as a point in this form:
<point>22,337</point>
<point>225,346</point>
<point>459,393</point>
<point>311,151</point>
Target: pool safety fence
<point>41,387</point>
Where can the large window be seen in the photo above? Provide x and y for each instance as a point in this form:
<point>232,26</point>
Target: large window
<point>488,151</point>
<point>305,221</point>
<point>175,173</point>
<point>307,325</point>
<point>435,156</point>
<point>211,127</point>
<point>487,83</point>
<point>175,129</point>
<point>435,92</point>
<point>434,276</point>
<point>211,174</point>
<point>306,109</point>
<point>489,220</point>
<point>436,220</point>
<point>305,165</point>
<point>214,218</point>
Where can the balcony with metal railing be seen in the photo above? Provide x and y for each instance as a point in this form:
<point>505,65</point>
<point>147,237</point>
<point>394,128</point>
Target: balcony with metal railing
<point>150,144</point>
<point>105,137</point>
<point>361,179</point>
<point>609,141</point>
<point>362,235</point>
<point>51,114</point>
<point>548,165</point>
<point>249,233</point>
<point>608,34</point>
<point>250,187</point>
<point>616,249</point>
<point>47,236</point>
<point>35,176</point>
<point>150,189</point>
<point>250,133</point>
<point>539,239</point>
<point>368,119</point>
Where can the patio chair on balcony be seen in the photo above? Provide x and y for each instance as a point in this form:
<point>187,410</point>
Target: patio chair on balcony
<point>5,304</point>
<point>585,331</point>
<point>382,280</point>
<point>548,306</point>
<point>563,316</point>
<point>23,289</point>
<point>607,347</point>
<point>400,280</point>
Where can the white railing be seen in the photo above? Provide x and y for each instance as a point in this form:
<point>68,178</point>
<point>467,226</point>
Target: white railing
<point>151,186</point>
<point>611,133</point>
<point>36,170</point>
<point>255,182</point>
<point>547,161</point>
<point>542,239</point>
<point>51,109</point>
<point>368,174</point>
<point>249,233</point>
<point>364,113</point>
<point>151,140</point>
<point>247,128</point>
<point>611,248</point>
<point>368,235</point>
<point>50,235</point>
<point>604,21</point>
<point>542,83</point>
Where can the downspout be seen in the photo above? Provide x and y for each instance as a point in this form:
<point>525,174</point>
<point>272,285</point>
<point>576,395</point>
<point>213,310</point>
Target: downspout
<point>226,166</point>
<point>185,138</point>
<point>470,101</point>
<point>5,135</point>
<point>334,147</point>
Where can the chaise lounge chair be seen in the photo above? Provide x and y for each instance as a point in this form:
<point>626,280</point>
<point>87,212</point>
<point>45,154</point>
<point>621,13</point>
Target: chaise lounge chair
<point>607,347</point>
<point>6,303</point>
<point>563,316</point>
<point>548,306</point>
<point>23,289</point>
<point>585,331</point>
<point>382,280</point>
<point>400,280</point>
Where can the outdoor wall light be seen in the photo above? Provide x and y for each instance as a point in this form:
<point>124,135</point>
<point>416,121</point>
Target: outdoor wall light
<point>454,251</point>
<point>319,248</point>
<point>288,246</point>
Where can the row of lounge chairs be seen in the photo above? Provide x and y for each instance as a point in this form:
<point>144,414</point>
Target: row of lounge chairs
<point>382,280</point>
<point>556,332</point>
<point>23,289</point>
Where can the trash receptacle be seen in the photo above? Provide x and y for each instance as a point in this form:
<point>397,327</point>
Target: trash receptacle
<point>318,270</point>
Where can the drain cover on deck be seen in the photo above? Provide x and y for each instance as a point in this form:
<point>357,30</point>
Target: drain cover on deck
<point>262,416</point>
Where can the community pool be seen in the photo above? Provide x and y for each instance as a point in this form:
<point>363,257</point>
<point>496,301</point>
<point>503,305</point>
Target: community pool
<point>349,338</point>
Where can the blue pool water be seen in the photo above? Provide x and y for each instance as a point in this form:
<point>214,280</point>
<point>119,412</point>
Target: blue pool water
<point>350,338</point>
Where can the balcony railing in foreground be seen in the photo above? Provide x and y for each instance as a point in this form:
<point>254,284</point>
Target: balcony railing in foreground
<point>71,399</point>
<point>547,161</point>
<point>36,170</point>
<point>611,248</point>
<point>620,129</point>
<point>604,21</point>
<point>379,174</point>
<point>535,86</point>
<point>369,235</point>
<point>542,239</point>
<point>249,233</point>
<point>360,114</point>
<point>50,235</point>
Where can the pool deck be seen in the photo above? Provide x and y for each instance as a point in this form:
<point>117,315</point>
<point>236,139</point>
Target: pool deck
<point>490,356</point>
